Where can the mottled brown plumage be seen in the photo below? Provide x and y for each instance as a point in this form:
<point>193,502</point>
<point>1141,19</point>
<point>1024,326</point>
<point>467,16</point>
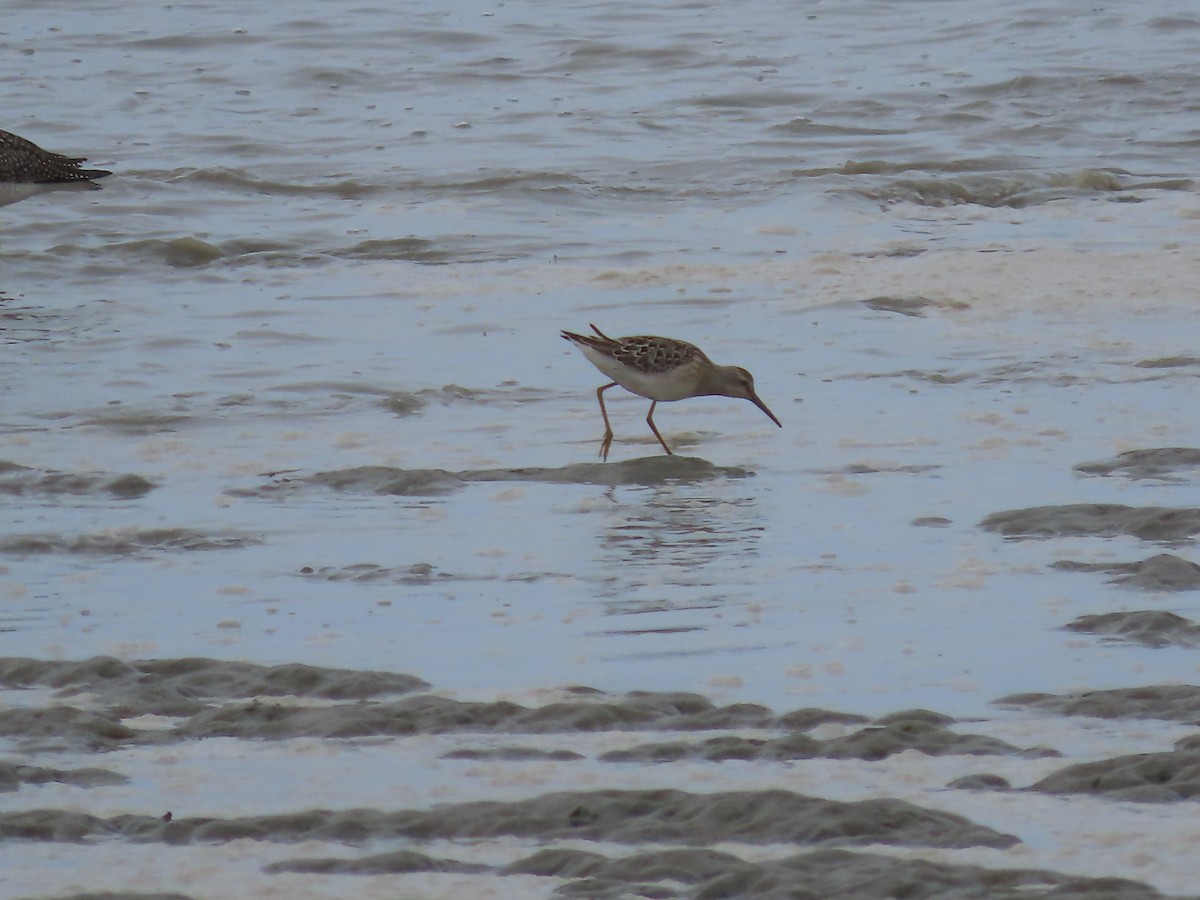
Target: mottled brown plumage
<point>660,369</point>
<point>24,162</point>
<point>647,353</point>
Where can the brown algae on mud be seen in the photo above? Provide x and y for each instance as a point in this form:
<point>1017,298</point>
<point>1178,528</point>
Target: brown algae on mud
<point>614,816</point>
<point>1168,777</point>
<point>1148,627</point>
<point>123,542</point>
<point>1170,702</point>
<point>19,480</point>
<point>1174,464</point>
<point>1161,572</point>
<point>1150,523</point>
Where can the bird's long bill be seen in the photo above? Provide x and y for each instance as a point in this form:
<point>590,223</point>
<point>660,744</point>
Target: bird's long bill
<point>754,399</point>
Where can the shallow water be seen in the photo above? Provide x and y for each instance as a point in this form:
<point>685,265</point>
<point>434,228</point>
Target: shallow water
<point>288,388</point>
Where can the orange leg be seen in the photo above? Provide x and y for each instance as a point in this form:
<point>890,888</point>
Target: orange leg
<point>650,422</point>
<point>608,435</point>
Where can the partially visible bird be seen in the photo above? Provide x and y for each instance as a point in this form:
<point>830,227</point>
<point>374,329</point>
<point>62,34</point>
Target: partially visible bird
<point>660,369</point>
<point>24,162</point>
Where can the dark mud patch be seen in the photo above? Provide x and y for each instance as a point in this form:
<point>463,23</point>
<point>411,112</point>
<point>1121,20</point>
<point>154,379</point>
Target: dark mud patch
<point>321,397</point>
<point>1162,572</point>
<point>370,573</point>
<point>513,754</point>
<point>182,687</point>
<point>125,542</point>
<point>873,743</point>
<point>603,874</point>
<point>1150,628</point>
<point>649,470</point>
<point>914,306</point>
<point>23,481</point>
<point>195,690</point>
<point>1161,463</point>
<point>420,573</point>
<point>403,404</point>
<point>387,480</point>
<point>932,522</point>
<point>13,775</point>
<point>58,728</point>
<point>865,468</point>
<point>1149,523</point>
<point>980,781</point>
<point>336,394</point>
<point>617,816</point>
<point>1138,778</point>
<point>398,862</point>
<point>811,717</point>
<point>1169,702</point>
<point>819,875</point>
<point>430,714</point>
<point>121,423</point>
<point>1049,371</point>
<point>187,689</point>
<point>117,690</point>
<point>1168,362</point>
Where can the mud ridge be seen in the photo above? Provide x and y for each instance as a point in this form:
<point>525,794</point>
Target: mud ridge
<point>1149,523</point>
<point>616,816</point>
<point>391,481</point>
<point>1150,628</point>
<point>1161,572</point>
<point>25,481</point>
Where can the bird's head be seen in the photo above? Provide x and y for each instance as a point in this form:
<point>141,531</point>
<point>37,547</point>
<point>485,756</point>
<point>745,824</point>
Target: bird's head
<point>740,383</point>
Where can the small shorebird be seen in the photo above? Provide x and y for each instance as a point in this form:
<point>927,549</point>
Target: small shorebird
<point>661,369</point>
<point>24,162</point>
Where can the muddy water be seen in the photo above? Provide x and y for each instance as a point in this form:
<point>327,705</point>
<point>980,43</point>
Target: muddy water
<point>313,585</point>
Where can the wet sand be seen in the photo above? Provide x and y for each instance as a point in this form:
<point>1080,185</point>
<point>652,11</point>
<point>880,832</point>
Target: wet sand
<point>186,734</point>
